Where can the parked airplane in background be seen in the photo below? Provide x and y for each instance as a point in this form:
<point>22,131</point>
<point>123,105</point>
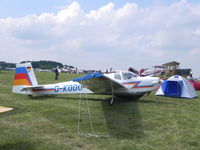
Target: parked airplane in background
<point>119,83</point>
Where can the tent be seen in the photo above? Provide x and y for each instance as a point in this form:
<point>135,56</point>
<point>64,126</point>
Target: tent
<point>177,86</point>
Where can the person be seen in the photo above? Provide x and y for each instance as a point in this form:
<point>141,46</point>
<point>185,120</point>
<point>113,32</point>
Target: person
<point>190,74</point>
<point>57,71</point>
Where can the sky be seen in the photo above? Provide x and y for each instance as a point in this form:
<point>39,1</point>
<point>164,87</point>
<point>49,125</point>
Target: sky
<point>102,34</point>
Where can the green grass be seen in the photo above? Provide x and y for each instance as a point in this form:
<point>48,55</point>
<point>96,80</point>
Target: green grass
<point>50,122</point>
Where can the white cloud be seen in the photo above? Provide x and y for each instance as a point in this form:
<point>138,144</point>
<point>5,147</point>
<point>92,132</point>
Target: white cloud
<point>106,37</point>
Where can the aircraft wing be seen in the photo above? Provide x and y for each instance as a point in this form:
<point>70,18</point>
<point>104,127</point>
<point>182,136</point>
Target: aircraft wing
<point>28,88</point>
<point>100,84</point>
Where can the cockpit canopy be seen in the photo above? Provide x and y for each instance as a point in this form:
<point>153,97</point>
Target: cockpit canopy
<point>124,75</point>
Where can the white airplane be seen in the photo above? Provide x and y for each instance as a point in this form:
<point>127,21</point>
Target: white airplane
<point>119,83</point>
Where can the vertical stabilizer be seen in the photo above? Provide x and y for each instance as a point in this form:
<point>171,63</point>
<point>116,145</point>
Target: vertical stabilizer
<point>24,76</point>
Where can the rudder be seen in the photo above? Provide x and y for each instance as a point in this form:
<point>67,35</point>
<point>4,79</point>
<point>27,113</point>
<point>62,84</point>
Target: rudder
<point>24,76</point>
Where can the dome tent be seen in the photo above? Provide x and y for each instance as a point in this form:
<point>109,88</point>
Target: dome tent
<point>177,86</point>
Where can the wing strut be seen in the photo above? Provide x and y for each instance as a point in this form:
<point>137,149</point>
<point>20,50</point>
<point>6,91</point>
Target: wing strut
<point>89,115</point>
<point>112,99</point>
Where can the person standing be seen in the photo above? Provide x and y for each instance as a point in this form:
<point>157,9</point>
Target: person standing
<point>57,71</point>
<point>190,74</point>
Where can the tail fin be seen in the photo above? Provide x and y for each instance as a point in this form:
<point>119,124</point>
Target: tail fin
<point>24,76</point>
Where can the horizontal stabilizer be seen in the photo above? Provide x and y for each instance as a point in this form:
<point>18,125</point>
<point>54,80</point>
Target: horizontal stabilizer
<point>27,88</point>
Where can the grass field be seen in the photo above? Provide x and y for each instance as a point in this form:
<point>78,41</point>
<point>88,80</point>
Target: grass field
<point>50,122</point>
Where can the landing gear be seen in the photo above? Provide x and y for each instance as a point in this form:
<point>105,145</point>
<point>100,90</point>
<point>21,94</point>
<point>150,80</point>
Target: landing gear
<point>148,93</point>
<point>111,101</point>
<point>30,96</point>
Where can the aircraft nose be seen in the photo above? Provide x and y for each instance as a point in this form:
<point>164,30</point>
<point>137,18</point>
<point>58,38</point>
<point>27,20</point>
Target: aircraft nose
<point>161,81</point>
<point>157,81</point>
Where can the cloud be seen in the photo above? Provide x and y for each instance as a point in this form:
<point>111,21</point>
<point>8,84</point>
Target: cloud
<point>106,37</point>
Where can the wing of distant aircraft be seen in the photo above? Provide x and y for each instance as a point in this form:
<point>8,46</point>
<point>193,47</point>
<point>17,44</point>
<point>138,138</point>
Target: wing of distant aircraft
<point>100,84</point>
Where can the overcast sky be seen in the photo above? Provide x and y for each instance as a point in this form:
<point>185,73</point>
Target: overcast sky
<point>100,34</point>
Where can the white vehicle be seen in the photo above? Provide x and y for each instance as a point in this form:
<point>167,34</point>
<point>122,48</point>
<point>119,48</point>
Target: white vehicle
<point>120,83</point>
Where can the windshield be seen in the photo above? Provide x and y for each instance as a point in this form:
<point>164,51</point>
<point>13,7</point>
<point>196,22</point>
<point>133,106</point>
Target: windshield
<point>128,75</point>
<point>117,76</point>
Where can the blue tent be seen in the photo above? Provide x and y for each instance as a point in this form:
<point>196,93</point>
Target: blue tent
<point>177,86</point>
<point>172,88</point>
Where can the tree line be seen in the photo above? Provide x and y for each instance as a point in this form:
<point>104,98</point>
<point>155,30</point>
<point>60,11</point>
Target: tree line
<point>42,64</point>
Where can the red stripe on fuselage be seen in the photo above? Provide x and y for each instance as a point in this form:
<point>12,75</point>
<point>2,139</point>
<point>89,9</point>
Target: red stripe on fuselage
<point>136,85</point>
<point>128,83</point>
<point>145,86</point>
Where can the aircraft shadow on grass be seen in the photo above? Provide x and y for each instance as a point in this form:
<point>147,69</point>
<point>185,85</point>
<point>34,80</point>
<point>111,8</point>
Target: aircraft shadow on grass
<point>123,119</point>
<point>17,145</point>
